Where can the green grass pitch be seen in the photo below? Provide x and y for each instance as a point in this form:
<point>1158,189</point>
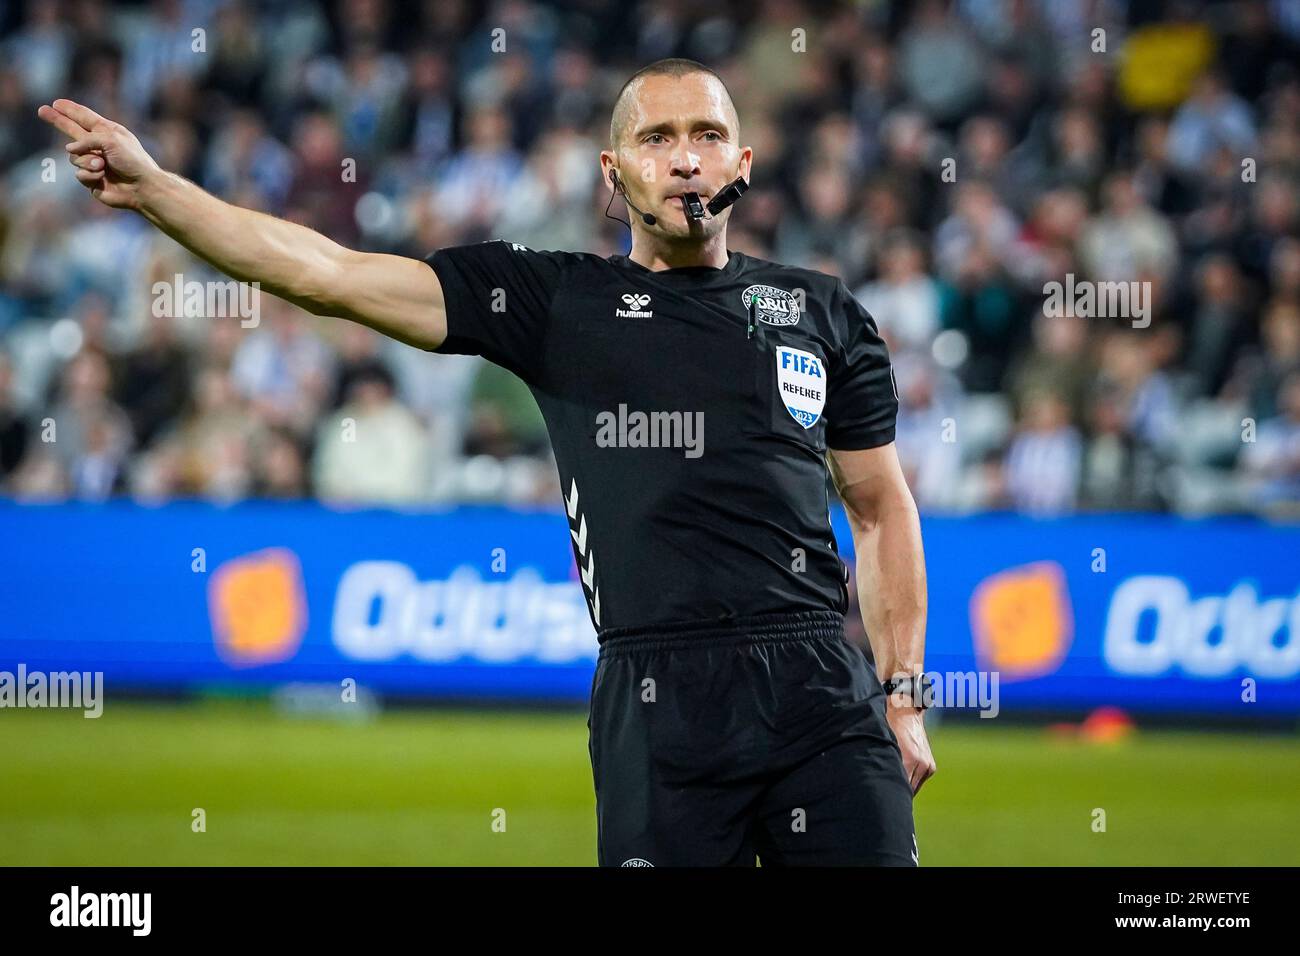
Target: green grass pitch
<point>420,787</point>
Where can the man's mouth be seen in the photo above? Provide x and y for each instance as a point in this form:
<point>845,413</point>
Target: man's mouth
<point>701,198</point>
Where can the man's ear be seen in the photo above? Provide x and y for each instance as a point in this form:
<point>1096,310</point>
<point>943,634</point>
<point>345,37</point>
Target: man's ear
<point>746,162</point>
<point>608,164</point>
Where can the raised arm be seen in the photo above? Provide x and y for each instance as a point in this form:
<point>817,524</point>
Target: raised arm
<point>395,295</point>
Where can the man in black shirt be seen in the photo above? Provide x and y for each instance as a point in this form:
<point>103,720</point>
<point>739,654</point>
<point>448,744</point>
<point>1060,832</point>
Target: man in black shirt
<point>692,395</point>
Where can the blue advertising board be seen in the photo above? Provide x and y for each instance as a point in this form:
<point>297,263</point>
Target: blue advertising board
<point>1149,613</point>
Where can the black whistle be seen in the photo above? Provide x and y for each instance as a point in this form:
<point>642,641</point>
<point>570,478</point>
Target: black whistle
<point>729,194</point>
<point>694,208</point>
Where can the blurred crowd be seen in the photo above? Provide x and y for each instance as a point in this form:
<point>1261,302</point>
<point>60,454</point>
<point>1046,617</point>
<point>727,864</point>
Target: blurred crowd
<point>947,160</point>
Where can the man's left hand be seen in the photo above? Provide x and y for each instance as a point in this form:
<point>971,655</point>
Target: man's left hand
<point>908,726</point>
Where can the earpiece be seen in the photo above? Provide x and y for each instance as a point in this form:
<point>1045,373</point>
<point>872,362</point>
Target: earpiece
<point>646,217</point>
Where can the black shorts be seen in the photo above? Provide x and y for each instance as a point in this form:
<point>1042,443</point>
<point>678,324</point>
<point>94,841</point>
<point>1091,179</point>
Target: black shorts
<point>713,745</point>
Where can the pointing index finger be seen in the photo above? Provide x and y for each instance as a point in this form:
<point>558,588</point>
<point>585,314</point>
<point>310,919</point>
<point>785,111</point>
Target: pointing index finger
<point>62,123</point>
<point>87,118</point>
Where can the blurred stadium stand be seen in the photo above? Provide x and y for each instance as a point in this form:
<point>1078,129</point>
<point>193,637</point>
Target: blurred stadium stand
<point>1120,165</point>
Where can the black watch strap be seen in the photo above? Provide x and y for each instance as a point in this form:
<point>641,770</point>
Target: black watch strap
<point>911,687</point>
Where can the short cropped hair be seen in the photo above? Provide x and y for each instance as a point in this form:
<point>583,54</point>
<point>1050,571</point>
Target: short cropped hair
<point>673,66</point>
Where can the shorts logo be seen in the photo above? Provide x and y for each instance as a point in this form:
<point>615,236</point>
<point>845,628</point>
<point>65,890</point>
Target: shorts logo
<point>801,380</point>
<point>772,305</point>
<point>636,861</point>
<point>636,303</point>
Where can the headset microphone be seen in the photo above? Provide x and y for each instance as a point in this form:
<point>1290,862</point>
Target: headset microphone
<point>646,217</point>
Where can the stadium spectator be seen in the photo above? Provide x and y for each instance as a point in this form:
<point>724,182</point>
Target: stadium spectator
<point>1043,462</point>
<point>19,138</point>
<point>283,368</point>
<point>15,433</point>
<point>1129,237</point>
<point>206,453</point>
<point>325,185</point>
<point>1059,360</point>
<point>472,187</point>
<point>151,381</point>
<point>926,432</point>
<point>904,301</point>
<point>1273,460</point>
<point>40,51</point>
<point>1112,478</point>
<point>1210,120</point>
<point>280,470</point>
<point>1261,371</point>
<point>1220,327</point>
<point>372,449</point>
<point>940,63</point>
<point>90,433</point>
<point>245,160</point>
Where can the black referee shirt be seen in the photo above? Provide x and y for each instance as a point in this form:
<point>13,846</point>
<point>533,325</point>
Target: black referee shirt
<point>690,411</point>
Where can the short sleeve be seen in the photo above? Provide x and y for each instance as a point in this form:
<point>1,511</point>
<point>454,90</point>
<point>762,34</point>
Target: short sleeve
<point>498,298</point>
<point>862,400</point>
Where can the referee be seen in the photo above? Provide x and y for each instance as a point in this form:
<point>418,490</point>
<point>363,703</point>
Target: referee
<point>694,397</point>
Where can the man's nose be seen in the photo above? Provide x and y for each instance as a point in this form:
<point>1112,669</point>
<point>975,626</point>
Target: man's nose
<point>685,164</point>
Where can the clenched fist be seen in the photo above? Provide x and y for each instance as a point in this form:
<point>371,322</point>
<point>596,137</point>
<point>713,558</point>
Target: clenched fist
<point>110,161</point>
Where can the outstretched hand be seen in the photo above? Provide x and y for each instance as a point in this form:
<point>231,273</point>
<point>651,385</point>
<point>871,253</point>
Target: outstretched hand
<point>110,161</point>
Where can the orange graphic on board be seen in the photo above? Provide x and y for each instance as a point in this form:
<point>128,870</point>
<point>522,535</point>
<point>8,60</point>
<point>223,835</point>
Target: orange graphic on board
<point>1022,621</point>
<point>258,608</point>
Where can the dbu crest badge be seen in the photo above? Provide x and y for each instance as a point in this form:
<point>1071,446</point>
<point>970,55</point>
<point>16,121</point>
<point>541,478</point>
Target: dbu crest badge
<point>772,305</point>
<point>801,380</point>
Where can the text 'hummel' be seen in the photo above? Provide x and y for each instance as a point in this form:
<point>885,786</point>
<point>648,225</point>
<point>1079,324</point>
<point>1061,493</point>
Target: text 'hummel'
<point>636,303</point>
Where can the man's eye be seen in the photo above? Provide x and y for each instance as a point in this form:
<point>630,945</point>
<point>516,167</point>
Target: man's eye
<point>654,137</point>
<point>714,135</point>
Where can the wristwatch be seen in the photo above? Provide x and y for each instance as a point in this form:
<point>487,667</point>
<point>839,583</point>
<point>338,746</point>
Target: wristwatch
<point>913,686</point>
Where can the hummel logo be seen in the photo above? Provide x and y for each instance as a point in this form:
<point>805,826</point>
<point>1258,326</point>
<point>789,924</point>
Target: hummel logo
<point>636,303</point>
